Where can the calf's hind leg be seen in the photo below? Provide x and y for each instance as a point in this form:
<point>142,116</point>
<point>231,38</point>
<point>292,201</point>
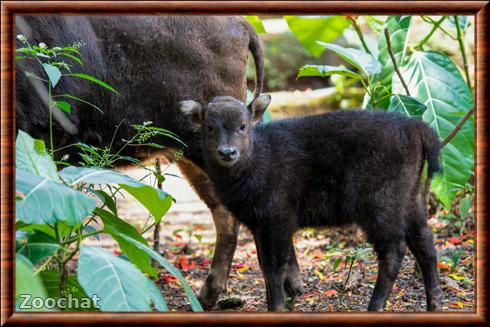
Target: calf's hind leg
<point>390,255</point>
<point>227,228</point>
<point>420,242</point>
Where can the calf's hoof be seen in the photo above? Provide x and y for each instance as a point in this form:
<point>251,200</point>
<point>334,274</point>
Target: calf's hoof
<point>435,304</point>
<point>293,287</point>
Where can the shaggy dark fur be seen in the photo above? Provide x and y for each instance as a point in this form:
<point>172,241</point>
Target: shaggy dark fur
<point>347,166</point>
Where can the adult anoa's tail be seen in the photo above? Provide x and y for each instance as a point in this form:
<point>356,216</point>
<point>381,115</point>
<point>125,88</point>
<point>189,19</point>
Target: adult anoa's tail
<point>255,47</point>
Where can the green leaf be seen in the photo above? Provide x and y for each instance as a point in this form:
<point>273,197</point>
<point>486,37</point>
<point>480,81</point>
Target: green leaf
<point>357,58</point>
<point>53,73</point>
<point>464,207</point>
<point>398,26</point>
<point>31,156</point>
<point>83,101</point>
<point>45,201</point>
<point>106,199</point>
<point>310,29</point>
<point>78,60</point>
<point>324,71</point>
<point>376,23</point>
<point>195,304</point>
<point>117,227</point>
<point>156,296</point>
<point>119,285</point>
<point>26,283</point>
<point>51,281</point>
<point>155,200</point>
<point>256,23</point>
<point>435,81</point>
<point>65,106</point>
<point>37,246</point>
<point>406,105</point>
<point>94,80</point>
<point>337,263</point>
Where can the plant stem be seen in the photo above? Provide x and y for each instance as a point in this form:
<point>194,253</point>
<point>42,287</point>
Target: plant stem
<point>156,231</point>
<point>393,59</point>
<point>50,121</point>
<point>82,237</point>
<point>458,127</point>
<point>360,35</point>
<point>428,36</point>
<point>463,50</point>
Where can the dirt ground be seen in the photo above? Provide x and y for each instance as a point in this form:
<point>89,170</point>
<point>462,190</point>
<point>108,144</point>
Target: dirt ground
<point>187,240</point>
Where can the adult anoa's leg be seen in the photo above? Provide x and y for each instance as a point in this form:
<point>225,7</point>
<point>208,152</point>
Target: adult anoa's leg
<point>227,228</point>
<point>421,244</point>
<point>274,250</point>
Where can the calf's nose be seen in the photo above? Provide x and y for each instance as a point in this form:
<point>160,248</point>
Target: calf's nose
<point>227,152</point>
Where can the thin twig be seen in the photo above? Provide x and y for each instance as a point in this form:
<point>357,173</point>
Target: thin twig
<point>360,35</point>
<point>458,127</point>
<point>463,50</point>
<point>393,59</point>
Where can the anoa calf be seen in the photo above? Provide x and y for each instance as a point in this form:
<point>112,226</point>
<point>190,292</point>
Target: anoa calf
<point>359,167</point>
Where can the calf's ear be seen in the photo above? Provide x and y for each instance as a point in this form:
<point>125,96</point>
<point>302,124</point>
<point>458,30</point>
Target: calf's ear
<point>258,106</point>
<point>192,109</point>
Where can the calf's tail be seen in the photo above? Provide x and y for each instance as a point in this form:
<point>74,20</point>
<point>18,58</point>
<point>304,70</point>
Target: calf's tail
<point>431,150</point>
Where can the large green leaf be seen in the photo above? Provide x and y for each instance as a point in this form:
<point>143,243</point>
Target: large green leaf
<point>155,200</point>
<point>435,80</point>
<point>117,227</point>
<point>26,283</point>
<point>31,156</point>
<point>398,26</point>
<point>406,105</point>
<point>119,285</point>
<point>310,29</point>
<point>44,201</point>
<point>51,281</point>
<point>357,58</point>
<point>256,23</point>
<point>195,304</point>
<point>325,70</point>
<point>37,246</point>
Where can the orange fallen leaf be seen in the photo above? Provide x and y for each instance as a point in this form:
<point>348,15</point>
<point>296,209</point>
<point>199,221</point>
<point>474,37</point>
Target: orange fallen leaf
<point>455,240</point>
<point>443,265</point>
<point>330,293</point>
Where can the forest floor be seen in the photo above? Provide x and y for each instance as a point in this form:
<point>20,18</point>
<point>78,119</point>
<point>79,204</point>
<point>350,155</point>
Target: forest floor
<point>187,240</point>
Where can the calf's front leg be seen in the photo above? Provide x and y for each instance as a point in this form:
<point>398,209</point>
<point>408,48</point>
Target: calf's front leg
<point>275,255</point>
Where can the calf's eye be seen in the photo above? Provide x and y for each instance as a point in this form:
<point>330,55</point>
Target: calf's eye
<point>210,128</point>
<point>242,128</point>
